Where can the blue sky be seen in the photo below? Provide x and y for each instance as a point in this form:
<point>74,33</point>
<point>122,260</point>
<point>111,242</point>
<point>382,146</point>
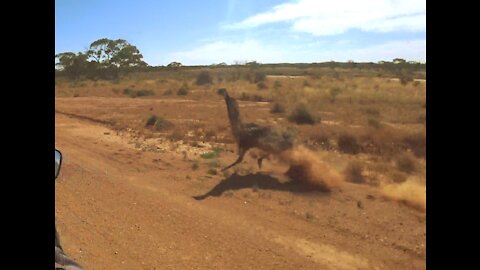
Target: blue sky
<point>269,31</point>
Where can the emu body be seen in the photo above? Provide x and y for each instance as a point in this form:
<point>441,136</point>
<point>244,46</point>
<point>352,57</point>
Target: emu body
<point>250,135</point>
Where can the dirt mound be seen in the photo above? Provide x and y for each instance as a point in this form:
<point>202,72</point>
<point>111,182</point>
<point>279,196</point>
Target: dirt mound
<point>307,168</point>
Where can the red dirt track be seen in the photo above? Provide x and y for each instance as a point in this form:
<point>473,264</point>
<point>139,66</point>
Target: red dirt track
<point>118,207</point>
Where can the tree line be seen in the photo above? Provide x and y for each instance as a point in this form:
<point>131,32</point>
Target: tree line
<point>108,59</point>
<point>104,59</point>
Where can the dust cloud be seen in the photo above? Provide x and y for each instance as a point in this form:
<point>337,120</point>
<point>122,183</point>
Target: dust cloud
<point>410,192</point>
<point>306,167</point>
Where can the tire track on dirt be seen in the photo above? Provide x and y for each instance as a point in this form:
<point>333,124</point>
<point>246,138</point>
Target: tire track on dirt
<point>181,210</point>
<point>83,117</point>
<point>144,219</point>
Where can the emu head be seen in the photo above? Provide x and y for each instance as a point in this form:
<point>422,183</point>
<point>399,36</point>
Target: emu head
<point>222,92</point>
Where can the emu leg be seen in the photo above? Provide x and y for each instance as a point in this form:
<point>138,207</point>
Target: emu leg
<point>259,161</point>
<point>241,154</point>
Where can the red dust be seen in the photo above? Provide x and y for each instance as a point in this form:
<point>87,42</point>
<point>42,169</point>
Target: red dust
<point>307,168</point>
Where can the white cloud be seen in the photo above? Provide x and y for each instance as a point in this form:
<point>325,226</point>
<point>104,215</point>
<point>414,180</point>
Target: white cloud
<point>228,52</point>
<point>252,50</point>
<point>408,49</point>
<point>330,17</point>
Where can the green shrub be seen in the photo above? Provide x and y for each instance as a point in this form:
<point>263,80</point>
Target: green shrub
<point>261,86</point>
<point>301,115</point>
<point>258,98</point>
<point>372,122</point>
<point>417,143</point>
<point>140,93</point>
<point>422,119</point>
<point>259,77</point>
<point>210,155</point>
<point>277,108</point>
<point>158,123</point>
<point>212,171</point>
<point>334,92</point>
<point>176,135</point>
<point>405,78</point>
<point>353,172</point>
<point>406,163</point>
<point>277,84</point>
<point>244,96</point>
<point>195,165</point>
<point>167,92</point>
<point>348,144</point>
<point>204,78</point>
<point>183,91</point>
<point>144,93</point>
<point>398,177</point>
<point>151,121</point>
<point>309,216</point>
<point>161,124</point>
<point>372,112</point>
<point>129,92</point>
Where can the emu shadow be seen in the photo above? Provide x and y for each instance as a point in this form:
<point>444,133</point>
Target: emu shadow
<point>262,181</point>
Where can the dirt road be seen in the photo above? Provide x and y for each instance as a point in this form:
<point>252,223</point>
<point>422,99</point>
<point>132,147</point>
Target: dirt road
<point>118,207</point>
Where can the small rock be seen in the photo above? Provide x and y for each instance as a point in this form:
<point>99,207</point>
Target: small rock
<point>360,204</point>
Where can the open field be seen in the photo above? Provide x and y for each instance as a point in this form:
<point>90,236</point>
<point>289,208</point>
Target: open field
<point>132,196</point>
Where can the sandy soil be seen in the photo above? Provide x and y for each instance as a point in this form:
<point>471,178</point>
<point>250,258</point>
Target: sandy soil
<point>285,77</point>
<point>121,207</point>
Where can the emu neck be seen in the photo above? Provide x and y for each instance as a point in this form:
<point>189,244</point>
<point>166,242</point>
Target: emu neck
<point>234,116</point>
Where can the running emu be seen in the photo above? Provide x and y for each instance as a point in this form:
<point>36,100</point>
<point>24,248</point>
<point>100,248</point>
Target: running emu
<point>250,135</point>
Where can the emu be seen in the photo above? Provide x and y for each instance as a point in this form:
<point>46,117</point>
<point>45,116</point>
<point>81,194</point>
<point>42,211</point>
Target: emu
<point>250,135</point>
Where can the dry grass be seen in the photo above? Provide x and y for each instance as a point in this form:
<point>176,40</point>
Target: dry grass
<point>372,117</point>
